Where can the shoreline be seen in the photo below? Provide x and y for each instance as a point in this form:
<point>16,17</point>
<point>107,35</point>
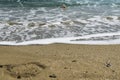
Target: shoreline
<point>60,62</point>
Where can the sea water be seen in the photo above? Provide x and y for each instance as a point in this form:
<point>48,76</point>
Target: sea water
<point>26,22</point>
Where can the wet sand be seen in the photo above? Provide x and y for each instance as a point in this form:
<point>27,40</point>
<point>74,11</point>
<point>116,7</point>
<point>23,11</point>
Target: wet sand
<point>60,62</point>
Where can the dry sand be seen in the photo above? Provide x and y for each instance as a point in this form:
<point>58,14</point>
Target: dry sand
<point>60,62</point>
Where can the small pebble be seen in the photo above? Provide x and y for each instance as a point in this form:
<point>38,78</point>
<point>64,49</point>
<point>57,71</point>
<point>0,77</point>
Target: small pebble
<point>108,65</point>
<point>74,60</point>
<point>86,71</point>
<point>18,77</point>
<point>1,66</point>
<point>113,70</point>
<point>65,68</point>
<point>52,76</point>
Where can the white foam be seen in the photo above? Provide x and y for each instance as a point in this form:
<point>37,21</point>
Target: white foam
<point>63,20</point>
<point>69,40</point>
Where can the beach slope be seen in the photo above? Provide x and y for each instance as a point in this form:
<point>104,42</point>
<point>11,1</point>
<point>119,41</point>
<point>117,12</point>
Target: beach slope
<point>60,62</point>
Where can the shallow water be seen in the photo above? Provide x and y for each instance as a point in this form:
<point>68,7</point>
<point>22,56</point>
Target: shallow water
<point>81,18</point>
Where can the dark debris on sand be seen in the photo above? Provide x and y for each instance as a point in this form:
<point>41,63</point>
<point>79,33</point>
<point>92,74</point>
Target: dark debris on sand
<point>52,76</point>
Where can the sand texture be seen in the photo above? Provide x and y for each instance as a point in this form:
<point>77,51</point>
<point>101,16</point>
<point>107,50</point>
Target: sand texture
<point>60,62</point>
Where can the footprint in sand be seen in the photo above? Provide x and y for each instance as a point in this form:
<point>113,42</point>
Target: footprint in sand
<point>24,70</point>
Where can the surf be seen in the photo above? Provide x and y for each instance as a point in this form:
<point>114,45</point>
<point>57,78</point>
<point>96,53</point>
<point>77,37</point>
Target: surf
<point>27,22</point>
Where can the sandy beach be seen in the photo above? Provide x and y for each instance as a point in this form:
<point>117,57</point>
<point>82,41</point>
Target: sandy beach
<point>60,62</point>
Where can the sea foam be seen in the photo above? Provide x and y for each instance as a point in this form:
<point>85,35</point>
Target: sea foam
<point>70,40</point>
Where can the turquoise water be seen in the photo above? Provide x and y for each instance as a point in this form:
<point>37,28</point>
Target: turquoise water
<point>48,3</point>
<point>28,20</point>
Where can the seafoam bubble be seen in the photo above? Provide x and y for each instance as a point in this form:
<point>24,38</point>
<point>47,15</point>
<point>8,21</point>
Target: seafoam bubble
<point>111,20</point>
<point>67,22</point>
<point>81,22</point>
<point>114,5</point>
<point>108,20</point>
<point>95,18</point>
